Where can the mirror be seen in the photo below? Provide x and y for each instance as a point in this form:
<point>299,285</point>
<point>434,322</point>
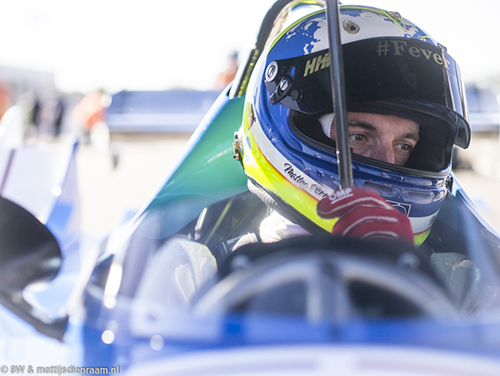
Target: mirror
<point>29,253</point>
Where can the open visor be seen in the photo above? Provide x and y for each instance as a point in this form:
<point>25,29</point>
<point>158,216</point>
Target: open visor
<point>402,71</point>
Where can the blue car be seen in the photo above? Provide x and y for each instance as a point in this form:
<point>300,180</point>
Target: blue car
<point>312,305</point>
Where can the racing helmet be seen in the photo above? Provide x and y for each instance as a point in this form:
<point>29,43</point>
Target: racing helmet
<point>391,66</point>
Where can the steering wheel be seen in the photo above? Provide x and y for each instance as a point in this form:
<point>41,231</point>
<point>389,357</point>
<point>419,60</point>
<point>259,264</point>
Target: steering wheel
<point>323,278</point>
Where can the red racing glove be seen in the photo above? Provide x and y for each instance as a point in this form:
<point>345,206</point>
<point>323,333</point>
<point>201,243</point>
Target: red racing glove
<point>362,213</point>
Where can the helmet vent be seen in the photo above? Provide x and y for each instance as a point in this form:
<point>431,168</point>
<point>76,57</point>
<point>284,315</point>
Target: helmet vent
<point>350,27</point>
<point>380,188</point>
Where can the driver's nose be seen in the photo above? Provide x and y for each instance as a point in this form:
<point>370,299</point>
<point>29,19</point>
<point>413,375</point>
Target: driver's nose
<point>383,153</point>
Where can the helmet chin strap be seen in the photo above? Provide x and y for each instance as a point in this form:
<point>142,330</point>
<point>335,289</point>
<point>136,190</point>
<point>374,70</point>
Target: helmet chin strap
<point>338,90</point>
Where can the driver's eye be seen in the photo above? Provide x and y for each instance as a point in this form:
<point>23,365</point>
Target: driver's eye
<point>357,137</point>
<point>405,147</point>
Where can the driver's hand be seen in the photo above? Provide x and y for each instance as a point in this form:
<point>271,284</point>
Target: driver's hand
<point>362,213</point>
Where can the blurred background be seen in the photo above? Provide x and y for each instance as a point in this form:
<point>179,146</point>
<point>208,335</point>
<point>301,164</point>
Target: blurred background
<point>132,79</point>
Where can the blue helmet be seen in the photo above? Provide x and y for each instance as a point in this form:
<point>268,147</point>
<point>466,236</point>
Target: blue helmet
<point>391,67</point>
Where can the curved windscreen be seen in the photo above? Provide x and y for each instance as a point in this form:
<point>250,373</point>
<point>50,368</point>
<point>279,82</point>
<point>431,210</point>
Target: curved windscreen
<point>457,266</point>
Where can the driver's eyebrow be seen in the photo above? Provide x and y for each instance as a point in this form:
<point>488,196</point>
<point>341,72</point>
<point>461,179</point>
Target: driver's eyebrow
<point>361,124</point>
<point>412,136</point>
<point>370,127</point>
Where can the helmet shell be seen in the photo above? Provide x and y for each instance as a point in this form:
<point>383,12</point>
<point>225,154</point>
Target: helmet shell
<point>296,168</point>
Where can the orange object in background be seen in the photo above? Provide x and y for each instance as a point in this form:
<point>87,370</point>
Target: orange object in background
<point>91,109</point>
<point>5,99</point>
<point>227,76</point>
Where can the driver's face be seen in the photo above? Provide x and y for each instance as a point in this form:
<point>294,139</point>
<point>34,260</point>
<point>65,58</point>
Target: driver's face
<point>386,138</point>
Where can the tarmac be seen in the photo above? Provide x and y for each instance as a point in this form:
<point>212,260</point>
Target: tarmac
<point>113,194</point>
<point>481,180</point>
<point>116,181</point>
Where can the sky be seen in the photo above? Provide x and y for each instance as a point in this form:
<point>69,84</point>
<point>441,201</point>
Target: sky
<point>163,44</point>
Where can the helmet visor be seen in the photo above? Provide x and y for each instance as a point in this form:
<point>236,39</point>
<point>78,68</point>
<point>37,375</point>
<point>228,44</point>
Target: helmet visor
<point>404,71</point>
